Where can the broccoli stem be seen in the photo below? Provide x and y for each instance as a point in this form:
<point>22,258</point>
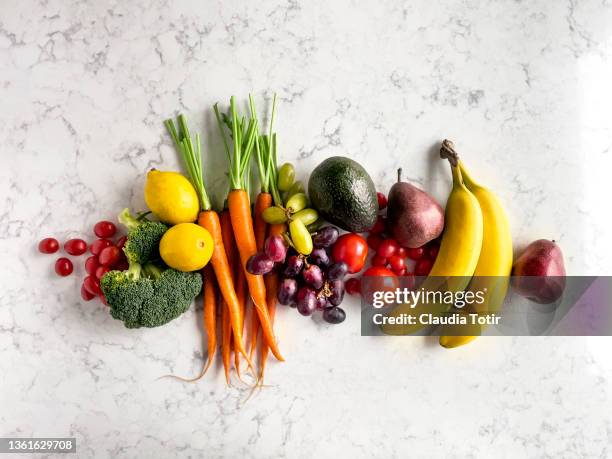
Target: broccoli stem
<point>127,219</point>
<point>134,271</point>
<point>152,271</point>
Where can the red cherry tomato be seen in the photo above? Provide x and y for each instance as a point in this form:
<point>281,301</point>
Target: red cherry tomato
<point>91,264</point>
<point>92,285</point>
<point>109,256</point>
<point>382,200</point>
<point>416,253</point>
<point>423,266</point>
<point>374,240</point>
<point>99,244</point>
<point>377,260</point>
<point>379,226</point>
<point>48,245</point>
<point>63,267</point>
<point>75,246</point>
<point>105,229</point>
<point>377,279</point>
<point>400,272</point>
<point>397,264</point>
<point>85,294</point>
<point>401,252</point>
<point>387,248</point>
<point>352,249</point>
<point>101,271</point>
<point>353,286</point>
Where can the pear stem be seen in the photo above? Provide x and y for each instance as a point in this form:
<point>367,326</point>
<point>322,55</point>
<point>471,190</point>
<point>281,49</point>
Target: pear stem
<point>447,151</point>
<point>399,175</point>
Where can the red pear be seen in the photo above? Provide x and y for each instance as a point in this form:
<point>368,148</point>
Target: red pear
<point>413,217</point>
<point>539,272</point>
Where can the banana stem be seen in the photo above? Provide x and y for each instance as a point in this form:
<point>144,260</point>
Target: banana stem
<point>447,151</point>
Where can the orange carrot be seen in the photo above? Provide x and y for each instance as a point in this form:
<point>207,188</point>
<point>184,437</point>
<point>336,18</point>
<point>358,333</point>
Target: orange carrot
<point>272,282</point>
<point>240,213</point>
<point>226,339</point>
<point>241,292</point>
<point>219,260</point>
<point>263,201</point>
<point>209,314</point>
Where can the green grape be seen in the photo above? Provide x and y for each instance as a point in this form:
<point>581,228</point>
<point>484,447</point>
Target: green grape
<point>274,215</point>
<point>297,202</point>
<point>286,176</point>
<point>302,240</point>
<point>308,216</point>
<point>297,187</point>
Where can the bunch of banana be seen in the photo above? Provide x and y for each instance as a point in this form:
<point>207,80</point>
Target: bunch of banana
<point>459,251</point>
<point>492,273</point>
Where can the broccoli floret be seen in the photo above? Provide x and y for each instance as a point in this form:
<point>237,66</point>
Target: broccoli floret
<point>149,296</point>
<point>143,237</point>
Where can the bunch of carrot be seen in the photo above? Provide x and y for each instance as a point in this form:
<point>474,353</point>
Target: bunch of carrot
<point>237,235</point>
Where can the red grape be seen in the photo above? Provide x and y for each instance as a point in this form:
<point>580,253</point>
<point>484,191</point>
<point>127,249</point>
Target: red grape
<point>101,271</point>
<point>337,292</point>
<point>48,245</point>
<point>259,264</point>
<point>121,265</point>
<point>63,267</point>
<point>337,271</point>
<point>293,266</point>
<point>91,264</point>
<point>416,253</point>
<point>313,276</point>
<point>85,294</point>
<point>286,291</point>
<point>325,237</point>
<point>382,200</point>
<point>105,228</point>
<point>275,248</point>
<point>334,315</point>
<point>319,257</point>
<point>121,242</point>
<point>387,248</point>
<point>75,246</point>
<point>92,285</point>
<point>402,252</point>
<point>306,301</point>
<point>99,244</point>
<point>109,256</point>
<point>423,267</point>
<point>399,272</point>
<point>353,286</point>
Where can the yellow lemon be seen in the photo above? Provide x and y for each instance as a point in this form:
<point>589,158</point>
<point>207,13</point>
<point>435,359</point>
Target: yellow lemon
<point>186,247</point>
<point>171,197</point>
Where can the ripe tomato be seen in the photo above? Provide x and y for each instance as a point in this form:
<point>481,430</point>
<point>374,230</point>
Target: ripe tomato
<point>352,249</point>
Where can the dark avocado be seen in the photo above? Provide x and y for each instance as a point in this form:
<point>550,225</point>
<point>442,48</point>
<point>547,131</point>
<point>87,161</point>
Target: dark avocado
<point>344,194</point>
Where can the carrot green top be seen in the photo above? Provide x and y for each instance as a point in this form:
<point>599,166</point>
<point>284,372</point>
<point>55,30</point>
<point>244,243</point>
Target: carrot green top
<point>265,148</point>
<point>192,156</point>
<point>243,135</point>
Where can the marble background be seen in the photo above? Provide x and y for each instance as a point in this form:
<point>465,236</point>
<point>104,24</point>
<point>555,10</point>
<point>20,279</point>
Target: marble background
<point>522,87</point>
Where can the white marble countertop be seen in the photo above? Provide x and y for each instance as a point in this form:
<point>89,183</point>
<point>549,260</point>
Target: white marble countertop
<point>523,88</point>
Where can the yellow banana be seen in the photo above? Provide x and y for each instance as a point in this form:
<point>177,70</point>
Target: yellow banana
<point>458,255</point>
<point>492,273</point>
